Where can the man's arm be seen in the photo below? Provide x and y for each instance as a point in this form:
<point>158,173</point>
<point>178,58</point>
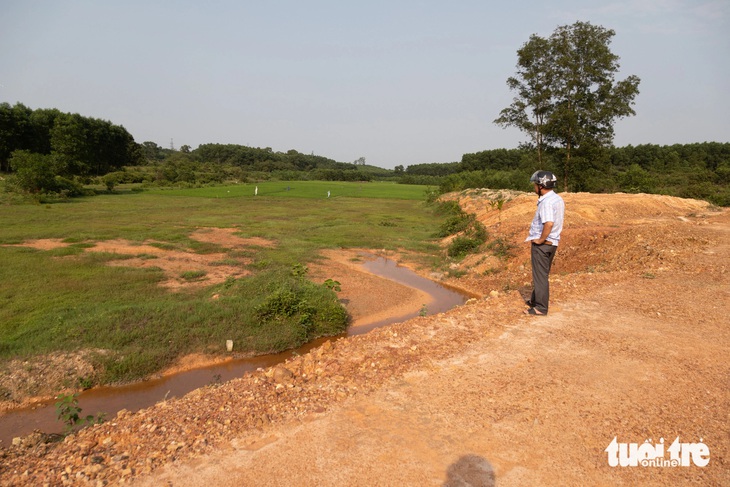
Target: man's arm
<point>546,228</point>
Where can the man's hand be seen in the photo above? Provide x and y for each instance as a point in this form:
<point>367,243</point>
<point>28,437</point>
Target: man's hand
<point>546,228</point>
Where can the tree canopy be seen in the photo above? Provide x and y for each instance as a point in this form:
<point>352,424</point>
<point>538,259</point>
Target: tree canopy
<point>80,146</point>
<point>567,97</point>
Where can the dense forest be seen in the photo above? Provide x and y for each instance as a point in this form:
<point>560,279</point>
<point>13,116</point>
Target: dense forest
<point>46,152</point>
<point>700,170</point>
<point>56,152</point>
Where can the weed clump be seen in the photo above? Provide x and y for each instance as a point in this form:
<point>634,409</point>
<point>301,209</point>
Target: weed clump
<point>471,233</point>
<point>313,310</point>
<point>69,413</point>
<point>469,242</point>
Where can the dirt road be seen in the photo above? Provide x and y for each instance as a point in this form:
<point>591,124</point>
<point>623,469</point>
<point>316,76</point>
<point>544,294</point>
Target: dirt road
<point>635,348</point>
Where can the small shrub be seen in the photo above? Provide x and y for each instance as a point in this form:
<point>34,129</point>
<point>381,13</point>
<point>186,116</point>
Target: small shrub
<point>333,285</point>
<point>69,413</point>
<point>449,207</point>
<point>432,195</point>
<point>498,204</point>
<point>456,224</point>
<point>473,237</point>
<point>463,245</point>
<point>85,382</point>
<point>299,270</point>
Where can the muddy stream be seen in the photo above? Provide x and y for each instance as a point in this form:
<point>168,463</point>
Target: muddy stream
<point>139,395</point>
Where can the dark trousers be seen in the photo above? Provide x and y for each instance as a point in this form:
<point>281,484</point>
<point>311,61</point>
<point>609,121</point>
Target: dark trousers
<point>542,260</point>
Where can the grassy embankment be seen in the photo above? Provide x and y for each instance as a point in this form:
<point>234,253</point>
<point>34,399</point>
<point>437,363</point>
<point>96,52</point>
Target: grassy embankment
<point>67,299</point>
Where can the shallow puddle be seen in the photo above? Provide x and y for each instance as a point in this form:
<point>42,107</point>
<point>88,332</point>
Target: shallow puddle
<point>134,397</point>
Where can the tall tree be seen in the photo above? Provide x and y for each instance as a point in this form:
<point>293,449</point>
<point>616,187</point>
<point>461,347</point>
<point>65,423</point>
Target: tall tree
<point>533,101</point>
<point>14,125</point>
<point>567,95</point>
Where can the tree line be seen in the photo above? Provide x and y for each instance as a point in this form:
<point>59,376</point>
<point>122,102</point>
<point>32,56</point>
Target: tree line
<point>49,151</point>
<point>215,163</point>
<point>54,151</point>
<point>699,170</point>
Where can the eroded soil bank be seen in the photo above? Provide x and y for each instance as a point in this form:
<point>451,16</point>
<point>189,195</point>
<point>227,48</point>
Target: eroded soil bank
<point>635,347</point>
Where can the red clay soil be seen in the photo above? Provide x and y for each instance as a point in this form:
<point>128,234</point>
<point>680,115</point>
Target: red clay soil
<point>634,348</point>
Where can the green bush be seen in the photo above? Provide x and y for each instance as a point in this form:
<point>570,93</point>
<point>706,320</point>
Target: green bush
<point>457,220</point>
<point>472,238</point>
<point>315,309</point>
<point>35,173</point>
<point>69,412</point>
<point>456,224</point>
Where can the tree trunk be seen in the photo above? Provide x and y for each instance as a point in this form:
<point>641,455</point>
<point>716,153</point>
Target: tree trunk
<point>566,168</point>
<point>539,140</point>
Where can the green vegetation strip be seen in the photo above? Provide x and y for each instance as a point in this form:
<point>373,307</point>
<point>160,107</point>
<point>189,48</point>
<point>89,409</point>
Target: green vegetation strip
<point>332,190</point>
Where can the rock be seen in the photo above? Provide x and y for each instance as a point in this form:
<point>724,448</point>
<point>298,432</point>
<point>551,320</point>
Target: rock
<point>282,375</point>
<point>120,458</point>
<point>34,439</point>
<point>173,447</point>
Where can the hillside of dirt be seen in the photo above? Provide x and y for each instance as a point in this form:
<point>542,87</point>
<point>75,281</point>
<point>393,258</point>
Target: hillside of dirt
<point>635,348</point>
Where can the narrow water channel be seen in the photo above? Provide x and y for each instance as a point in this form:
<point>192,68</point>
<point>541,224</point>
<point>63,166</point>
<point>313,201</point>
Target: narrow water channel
<point>134,397</point>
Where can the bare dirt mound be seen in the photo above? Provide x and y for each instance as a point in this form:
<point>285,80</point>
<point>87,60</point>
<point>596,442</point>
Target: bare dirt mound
<point>634,349</point>
<point>634,233</point>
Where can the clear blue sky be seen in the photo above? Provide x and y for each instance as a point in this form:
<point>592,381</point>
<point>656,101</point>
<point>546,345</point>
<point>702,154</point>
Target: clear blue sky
<point>396,82</point>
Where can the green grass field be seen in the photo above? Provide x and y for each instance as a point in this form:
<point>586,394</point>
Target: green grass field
<point>305,189</point>
<point>68,299</point>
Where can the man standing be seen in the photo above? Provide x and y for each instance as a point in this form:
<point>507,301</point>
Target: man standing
<point>544,236</point>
